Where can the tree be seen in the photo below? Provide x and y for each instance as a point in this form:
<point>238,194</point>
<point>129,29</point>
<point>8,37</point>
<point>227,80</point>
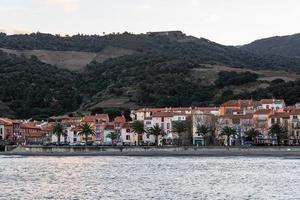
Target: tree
<point>183,130</point>
<point>252,133</point>
<point>58,130</point>
<point>86,129</point>
<point>155,131</point>
<point>138,127</point>
<point>278,131</point>
<point>203,131</point>
<point>228,132</point>
<point>113,136</point>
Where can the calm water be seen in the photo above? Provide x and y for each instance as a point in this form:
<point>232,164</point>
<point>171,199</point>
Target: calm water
<point>149,178</point>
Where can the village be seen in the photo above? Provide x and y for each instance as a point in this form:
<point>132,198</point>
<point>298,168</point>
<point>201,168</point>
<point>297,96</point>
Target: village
<point>235,122</point>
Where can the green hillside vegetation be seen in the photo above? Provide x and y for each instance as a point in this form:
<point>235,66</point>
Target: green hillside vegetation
<point>160,71</point>
<point>288,46</point>
<point>29,87</point>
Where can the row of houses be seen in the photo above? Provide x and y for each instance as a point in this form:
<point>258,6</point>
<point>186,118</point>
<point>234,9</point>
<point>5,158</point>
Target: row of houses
<point>240,115</point>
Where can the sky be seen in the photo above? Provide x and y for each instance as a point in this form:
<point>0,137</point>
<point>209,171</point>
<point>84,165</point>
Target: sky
<point>229,22</point>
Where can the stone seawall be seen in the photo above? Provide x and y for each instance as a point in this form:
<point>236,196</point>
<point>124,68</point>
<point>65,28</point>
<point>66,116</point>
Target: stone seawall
<point>151,151</point>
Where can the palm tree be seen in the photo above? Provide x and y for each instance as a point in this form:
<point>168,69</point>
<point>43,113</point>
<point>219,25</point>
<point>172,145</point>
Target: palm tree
<point>181,129</point>
<point>228,131</point>
<point>138,127</point>
<point>278,131</point>
<point>86,129</point>
<point>58,130</point>
<point>252,133</point>
<point>112,136</point>
<point>202,130</point>
<point>156,131</point>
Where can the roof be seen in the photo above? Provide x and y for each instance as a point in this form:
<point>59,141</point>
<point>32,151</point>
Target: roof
<point>29,126</point>
<point>88,118</point>
<point>102,116</point>
<point>231,103</point>
<point>163,114</point>
<point>295,112</point>
<point>280,115</point>
<point>238,103</point>
<point>109,126</point>
<point>126,125</point>
<point>263,112</point>
<point>246,116</point>
<point>120,119</point>
<point>270,101</point>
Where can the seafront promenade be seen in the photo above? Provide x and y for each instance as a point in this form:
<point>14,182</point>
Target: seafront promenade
<point>217,151</point>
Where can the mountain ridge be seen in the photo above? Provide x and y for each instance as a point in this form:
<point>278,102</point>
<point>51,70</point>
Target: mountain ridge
<point>161,69</point>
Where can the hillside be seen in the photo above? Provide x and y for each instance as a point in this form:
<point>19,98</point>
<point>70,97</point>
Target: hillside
<point>178,46</point>
<point>71,60</point>
<point>288,46</point>
<point>126,71</point>
<point>31,88</point>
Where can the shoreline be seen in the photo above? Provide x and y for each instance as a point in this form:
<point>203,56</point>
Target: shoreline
<point>283,151</point>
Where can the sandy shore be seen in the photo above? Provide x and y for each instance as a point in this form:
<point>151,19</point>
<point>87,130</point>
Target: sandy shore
<point>156,151</point>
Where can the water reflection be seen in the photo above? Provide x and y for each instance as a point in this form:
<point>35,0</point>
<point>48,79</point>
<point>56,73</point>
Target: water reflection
<point>149,178</point>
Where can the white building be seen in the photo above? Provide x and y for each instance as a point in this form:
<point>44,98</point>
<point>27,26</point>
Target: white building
<point>2,135</point>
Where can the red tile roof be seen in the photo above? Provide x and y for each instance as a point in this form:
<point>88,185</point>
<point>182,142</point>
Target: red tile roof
<point>163,114</point>
<point>295,112</point>
<point>280,115</point>
<point>120,119</point>
<point>263,112</point>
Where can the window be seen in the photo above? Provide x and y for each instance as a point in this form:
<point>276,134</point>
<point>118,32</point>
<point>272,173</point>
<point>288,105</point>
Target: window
<point>127,137</point>
<point>162,126</point>
<point>148,122</point>
<point>295,117</point>
<point>168,125</point>
<point>1,137</point>
<point>272,121</point>
<point>128,130</point>
<point>162,119</point>
<point>147,136</point>
<point>179,118</point>
<point>97,128</point>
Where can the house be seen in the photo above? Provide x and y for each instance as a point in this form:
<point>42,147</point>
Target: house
<point>294,127</point>
<point>109,128</point>
<point>100,123</point>
<point>260,122</point>
<point>2,132</point>
<point>119,122</point>
<point>206,119</point>
<point>222,122</point>
<point>164,120</point>
<point>11,131</point>
<point>70,135</point>
<point>237,106</point>
<point>273,104</point>
<point>32,134</point>
<point>128,136</point>
<point>246,123</point>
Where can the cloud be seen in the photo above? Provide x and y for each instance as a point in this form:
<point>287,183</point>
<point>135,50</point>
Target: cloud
<point>69,6</point>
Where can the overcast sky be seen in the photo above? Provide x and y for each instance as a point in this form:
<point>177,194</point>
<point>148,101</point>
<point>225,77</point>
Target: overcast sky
<point>231,22</point>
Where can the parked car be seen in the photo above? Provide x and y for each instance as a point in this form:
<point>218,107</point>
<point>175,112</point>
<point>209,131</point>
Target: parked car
<point>80,144</point>
<point>46,143</point>
<point>96,143</point>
